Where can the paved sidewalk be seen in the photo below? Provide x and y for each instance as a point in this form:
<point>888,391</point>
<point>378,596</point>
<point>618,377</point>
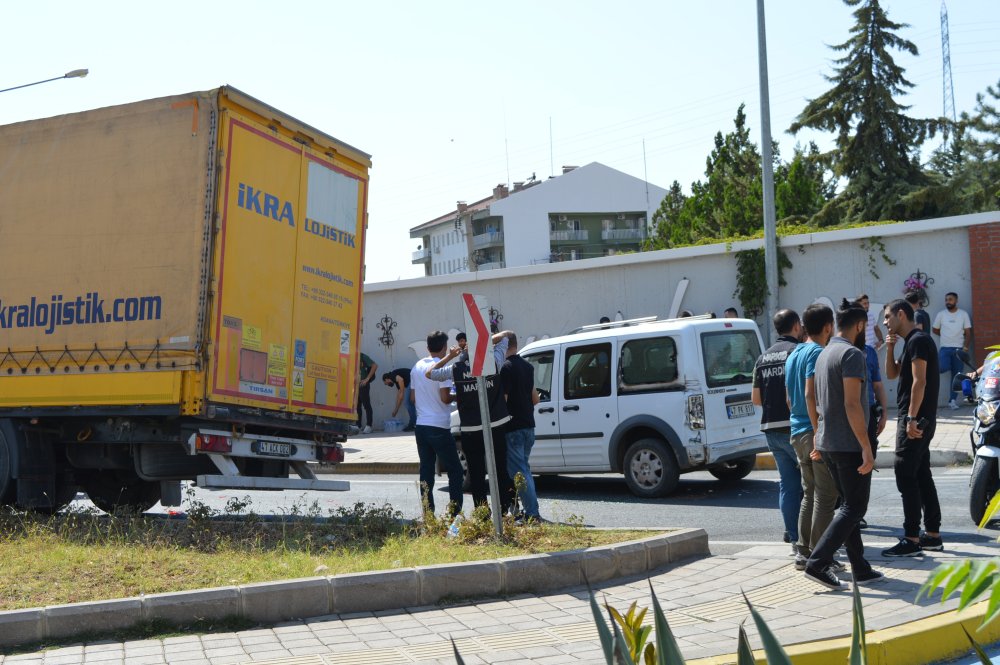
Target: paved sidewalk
<point>702,598</point>
<point>396,452</point>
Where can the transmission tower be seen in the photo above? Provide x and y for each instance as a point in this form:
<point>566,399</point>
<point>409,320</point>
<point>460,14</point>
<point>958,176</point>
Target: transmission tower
<point>947,89</point>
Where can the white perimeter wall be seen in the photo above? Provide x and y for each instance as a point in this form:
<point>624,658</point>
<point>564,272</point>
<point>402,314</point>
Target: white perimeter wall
<point>548,300</point>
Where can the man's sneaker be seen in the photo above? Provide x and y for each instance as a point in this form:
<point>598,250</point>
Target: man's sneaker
<point>825,577</point>
<point>905,547</point>
<point>795,550</point>
<point>931,543</point>
<point>787,537</point>
<point>952,405</point>
<point>367,429</point>
<point>869,577</point>
<point>800,561</point>
<point>837,567</point>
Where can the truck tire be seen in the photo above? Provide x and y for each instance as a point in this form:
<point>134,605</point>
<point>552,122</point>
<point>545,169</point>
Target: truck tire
<point>733,470</point>
<point>983,484</point>
<point>7,482</point>
<point>113,491</point>
<point>650,469</point>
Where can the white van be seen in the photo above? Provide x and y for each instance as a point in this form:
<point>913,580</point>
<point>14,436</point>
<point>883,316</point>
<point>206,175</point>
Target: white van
<point>649,399</point>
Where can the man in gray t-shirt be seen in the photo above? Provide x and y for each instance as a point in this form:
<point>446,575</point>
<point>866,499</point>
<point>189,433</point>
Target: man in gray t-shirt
<point>842,439</point>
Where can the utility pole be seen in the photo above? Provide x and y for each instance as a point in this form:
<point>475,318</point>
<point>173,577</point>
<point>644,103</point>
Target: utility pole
<point>767,171</point>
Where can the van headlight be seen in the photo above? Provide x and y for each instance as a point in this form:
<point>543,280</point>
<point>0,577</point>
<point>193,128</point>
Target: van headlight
<point>696,411</point>
<point>986,412</point>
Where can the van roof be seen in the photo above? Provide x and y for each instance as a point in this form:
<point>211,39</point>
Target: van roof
<point>639,326</point>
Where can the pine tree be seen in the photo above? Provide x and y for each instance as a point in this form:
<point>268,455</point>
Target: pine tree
<point>877,144</point>
<point>668,230</point>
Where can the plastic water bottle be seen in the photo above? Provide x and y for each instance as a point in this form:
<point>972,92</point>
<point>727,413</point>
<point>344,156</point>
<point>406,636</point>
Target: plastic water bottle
<point>455,524</point>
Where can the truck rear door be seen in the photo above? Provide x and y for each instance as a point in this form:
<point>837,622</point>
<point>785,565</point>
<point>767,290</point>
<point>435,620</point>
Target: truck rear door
<point>288,275</point>
<point>732,423</point>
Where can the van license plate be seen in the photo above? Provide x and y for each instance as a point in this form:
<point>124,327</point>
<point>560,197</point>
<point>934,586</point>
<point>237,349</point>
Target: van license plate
<point>741,410</point>
<point>274,449</point>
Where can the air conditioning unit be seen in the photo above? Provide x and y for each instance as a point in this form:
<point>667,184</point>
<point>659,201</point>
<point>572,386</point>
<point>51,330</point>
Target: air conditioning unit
<point>563,218</point>
<point>621,216</point>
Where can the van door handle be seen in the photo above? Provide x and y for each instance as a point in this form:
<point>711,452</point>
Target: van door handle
<point>571,408</point>
<point>549,409</point>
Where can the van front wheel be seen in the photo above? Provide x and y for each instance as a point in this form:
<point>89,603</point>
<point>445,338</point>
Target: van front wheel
<point>650,469</point>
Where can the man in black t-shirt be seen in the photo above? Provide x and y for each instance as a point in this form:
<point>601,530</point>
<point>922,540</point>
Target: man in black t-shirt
<point>920,316</point>
<point>916,401</point>
<point>518,379</point>
<point>400,380</point>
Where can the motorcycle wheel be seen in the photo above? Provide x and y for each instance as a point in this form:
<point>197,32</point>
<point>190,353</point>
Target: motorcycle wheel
<point>983,485</point>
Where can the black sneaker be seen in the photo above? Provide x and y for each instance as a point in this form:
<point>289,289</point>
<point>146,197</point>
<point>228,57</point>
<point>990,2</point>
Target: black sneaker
<point>824,577</point>
<point>905,547</point>
<point>787,537</point>
<point>869,577</point>
<point>931,543</point>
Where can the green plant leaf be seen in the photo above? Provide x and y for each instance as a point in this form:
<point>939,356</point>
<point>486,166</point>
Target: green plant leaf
<point>607,639</point>
<point>621,653</point>
<point>983,658</point>
<point>858,655</point>
<point>936,579</point>
<point>772,647</point>
<point>957,577</point>
<point>649,655</point>
<point>744,654</point>
<point>979,582</point>
<point>666,645</point>
<point>458,656</point>
<point>991,509</point>
<point>993,607</point>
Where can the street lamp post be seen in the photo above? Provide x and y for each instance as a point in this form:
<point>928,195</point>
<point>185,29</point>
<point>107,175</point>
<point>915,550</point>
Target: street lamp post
<point>75,74</point>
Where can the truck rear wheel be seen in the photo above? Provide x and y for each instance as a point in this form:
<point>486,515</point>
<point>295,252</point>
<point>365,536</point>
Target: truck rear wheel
<point>121,491</point>
<point>733,470</point>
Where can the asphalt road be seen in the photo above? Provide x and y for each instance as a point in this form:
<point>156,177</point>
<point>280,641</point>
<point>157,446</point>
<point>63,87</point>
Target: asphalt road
<point>736,516</point>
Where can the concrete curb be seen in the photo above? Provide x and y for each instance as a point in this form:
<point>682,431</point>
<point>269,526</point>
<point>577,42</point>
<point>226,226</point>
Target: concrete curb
<point>765,462</point>
<point>884,459</point>
<point>271,602</point>
<point>928,640</point>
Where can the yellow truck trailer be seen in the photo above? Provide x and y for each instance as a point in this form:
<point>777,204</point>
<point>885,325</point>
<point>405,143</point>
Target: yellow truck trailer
<point>180,299</point>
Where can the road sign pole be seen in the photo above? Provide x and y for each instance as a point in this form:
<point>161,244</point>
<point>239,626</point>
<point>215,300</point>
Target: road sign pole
<point>491,462</point>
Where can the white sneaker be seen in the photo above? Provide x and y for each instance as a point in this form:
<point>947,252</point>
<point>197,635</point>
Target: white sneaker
<point>367,429</point>
<point>952,405</point>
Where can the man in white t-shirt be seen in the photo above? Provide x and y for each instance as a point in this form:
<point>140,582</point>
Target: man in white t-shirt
<point>954,327</point>
<point>433,428</point>
<point>873,334</point>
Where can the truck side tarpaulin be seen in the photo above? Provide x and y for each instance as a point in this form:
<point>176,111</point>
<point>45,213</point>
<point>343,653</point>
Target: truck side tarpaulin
<point>102,226</point>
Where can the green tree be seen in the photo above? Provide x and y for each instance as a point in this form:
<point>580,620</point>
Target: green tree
<point>877,144</point>
<point>801,187</point>
<point>668,230</point>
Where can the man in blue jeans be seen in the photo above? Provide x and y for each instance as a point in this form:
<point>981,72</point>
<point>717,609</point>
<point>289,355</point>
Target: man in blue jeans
<point>955,329</point>
<point>433,427</point>
<point>519,385</point>
<point>769,393</point>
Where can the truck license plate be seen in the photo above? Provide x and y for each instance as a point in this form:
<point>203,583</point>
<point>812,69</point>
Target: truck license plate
<point>741,410</point>
<point>273,448</point>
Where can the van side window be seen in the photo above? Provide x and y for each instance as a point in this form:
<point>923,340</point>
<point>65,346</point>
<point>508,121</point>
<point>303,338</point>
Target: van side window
<point>542,364</point>
<point>648,364</point>
<point>588,371</point>
<point>729,357</point>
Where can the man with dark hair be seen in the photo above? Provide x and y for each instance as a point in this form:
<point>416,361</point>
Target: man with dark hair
<point>433,427</point>
<point>518,378</point>
<point>819,494</point>
<point>366,372</point>
<point>462,340</point>
<point>920,316</point>
<point>769,393</point>
<point>400,380</point>
<point>873,334</point>
<point>470,419</point>
<point>916,402</point>
<point>842,439</point>
<point>731,313</point>
<point>955,330</point>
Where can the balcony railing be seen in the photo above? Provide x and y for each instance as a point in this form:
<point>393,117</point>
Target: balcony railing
<point>422,255</point>
<point>568,235</point>
<point>494,265</point>
<point>487,239</point>
<point>624,234</point>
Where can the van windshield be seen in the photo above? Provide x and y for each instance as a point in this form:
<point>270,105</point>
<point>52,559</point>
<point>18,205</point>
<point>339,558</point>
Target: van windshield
<point>729,356</point>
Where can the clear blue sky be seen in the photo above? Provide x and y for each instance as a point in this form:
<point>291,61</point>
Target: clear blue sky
<point>452,98</point>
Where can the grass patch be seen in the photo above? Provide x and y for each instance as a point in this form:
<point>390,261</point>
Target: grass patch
<point>78,557</point>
